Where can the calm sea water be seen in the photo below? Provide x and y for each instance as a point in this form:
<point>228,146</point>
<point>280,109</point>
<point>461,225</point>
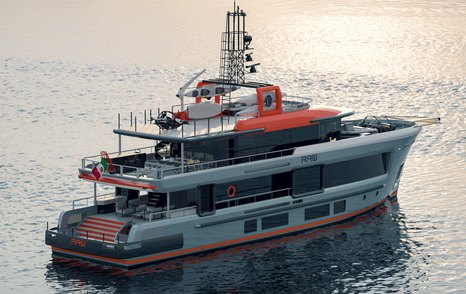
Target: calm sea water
<point>68,67</point>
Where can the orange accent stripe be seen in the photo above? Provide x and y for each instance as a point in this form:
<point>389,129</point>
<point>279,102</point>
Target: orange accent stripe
<point>105,220</point>
<point>219,244</point>
<point>116,182</point>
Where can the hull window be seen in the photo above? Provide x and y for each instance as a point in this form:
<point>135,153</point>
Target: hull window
<point>307,180</point>
<point>339,206</point>
<point>250,226</point>
<point>317,212</point>
<point>274,221</point>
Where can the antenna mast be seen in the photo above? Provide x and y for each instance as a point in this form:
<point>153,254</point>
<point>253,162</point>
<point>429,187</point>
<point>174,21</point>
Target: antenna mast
<point>235,54</point>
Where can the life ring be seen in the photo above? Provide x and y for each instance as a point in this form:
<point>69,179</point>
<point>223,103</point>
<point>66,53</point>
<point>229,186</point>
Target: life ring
<point>231,191</point>
<point>268,100</point>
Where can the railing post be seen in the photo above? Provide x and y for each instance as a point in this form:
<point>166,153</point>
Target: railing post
<point>135,124</point>
<point>47,226</point>
<point>95,196</point>
<point>194,128</point>
<point>145,117</point>
<point>119,136</point>
<point>131,118</point>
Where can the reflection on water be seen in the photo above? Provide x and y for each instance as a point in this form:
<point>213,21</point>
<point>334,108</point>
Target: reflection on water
<point>370,251</point>
<point>67,69</point>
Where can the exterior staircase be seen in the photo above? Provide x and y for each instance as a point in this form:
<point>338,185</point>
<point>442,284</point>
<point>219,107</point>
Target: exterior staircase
<point>100,229</point>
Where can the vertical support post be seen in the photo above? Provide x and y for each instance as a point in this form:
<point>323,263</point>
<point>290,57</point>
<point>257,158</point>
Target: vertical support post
<point>119,136</point>
<point>95,194</point>
<point>168,203</point>
<point>131,118</point>
<point>135,124</point>
<point>145,116</point>
<point>158,113</point>
<point>208,126</point>
<point>182,157</point>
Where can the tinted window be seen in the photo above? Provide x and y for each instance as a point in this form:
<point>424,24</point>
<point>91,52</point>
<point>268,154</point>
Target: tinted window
<point>250,226</point>
<point>339,206</point>
<point>206,201</point>
<point>330,129</point>
<point>274,221</point>
<point>354,170</point>
<point>316,212</point>
<point>184,198</point>
<point>306,180</point>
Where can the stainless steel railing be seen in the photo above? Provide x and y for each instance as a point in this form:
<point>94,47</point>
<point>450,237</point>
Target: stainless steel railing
<point>160,173</point>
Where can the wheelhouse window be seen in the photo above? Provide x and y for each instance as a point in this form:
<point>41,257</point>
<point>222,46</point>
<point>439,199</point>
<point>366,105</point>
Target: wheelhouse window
<point>307,180</point>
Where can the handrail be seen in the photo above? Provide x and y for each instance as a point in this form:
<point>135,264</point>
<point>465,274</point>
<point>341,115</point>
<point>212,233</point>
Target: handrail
<point>207,165</point>
<point>166,214</point>
<point>193,167</point>
<point>116,152</point>
<point>91,197</point>
<point>288,190</point>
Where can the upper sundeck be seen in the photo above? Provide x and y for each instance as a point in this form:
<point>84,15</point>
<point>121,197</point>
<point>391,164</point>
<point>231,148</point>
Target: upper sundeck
<point>297,113</point>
